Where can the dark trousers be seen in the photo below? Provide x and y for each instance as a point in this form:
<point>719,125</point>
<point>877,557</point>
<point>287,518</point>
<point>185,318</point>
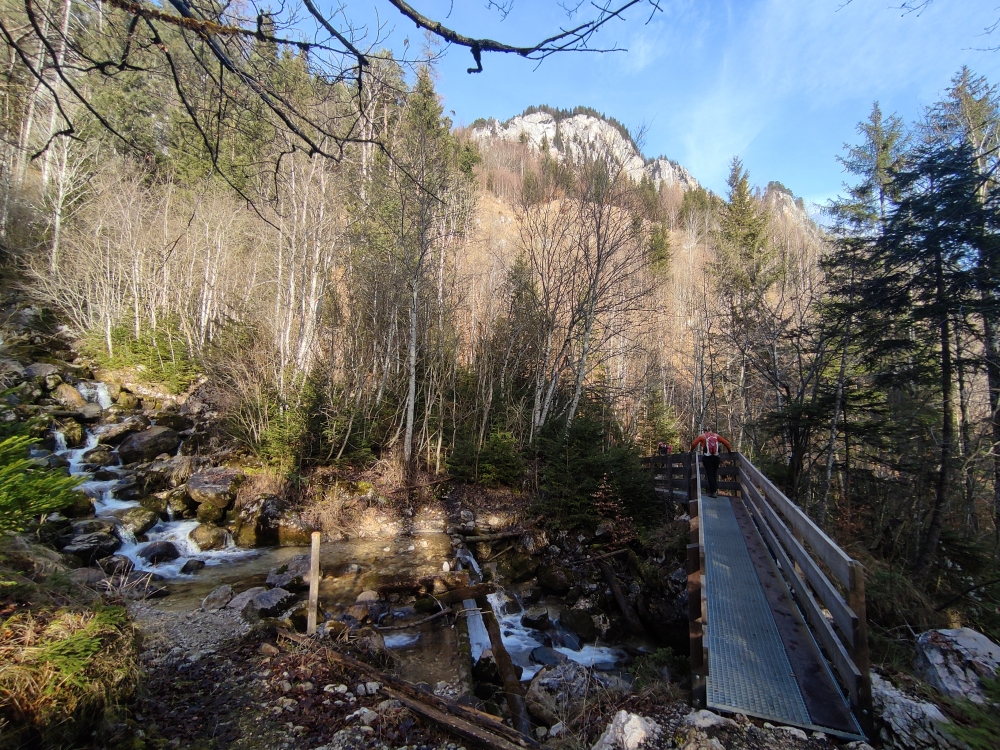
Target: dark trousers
<point>711,464</point>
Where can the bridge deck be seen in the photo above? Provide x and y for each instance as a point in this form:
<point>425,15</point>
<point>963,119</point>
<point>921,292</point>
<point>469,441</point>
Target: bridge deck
<point>763,661</point>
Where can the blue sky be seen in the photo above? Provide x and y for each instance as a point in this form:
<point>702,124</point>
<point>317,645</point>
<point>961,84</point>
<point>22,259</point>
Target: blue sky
<point>780,83</point>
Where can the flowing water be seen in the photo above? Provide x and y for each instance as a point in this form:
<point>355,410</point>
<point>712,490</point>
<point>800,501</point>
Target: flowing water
<point>429,652</point>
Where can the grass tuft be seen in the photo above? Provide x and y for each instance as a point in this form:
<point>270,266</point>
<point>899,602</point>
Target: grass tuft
<point>60,671</point>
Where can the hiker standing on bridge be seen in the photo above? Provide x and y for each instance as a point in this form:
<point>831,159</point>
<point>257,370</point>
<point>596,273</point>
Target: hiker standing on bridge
<point>709,441</point>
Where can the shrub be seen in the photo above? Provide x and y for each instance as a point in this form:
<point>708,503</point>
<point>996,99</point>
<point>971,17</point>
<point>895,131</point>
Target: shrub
<point>28,490</point>
<point>588,468</point>
<point>60,671</point>
<point>157,356</point>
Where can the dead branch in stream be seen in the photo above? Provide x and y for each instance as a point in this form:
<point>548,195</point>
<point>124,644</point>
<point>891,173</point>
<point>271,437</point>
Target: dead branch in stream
<point>414,624</point>
<point>513,690</point>
<point>631,620</point>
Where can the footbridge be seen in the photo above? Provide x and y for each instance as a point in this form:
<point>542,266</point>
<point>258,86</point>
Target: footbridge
<point>776,608</point>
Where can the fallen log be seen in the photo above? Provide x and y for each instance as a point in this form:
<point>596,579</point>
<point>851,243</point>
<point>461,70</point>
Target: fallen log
<point>466,592</point>
<point>414,624</point>
<point>631,620</point>
<point>459,726</point>
<point>486,721</point>
<point>493,537</point>
<point>512,688</point>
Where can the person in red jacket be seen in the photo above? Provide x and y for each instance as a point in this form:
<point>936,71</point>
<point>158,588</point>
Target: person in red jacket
<point>709,442</point>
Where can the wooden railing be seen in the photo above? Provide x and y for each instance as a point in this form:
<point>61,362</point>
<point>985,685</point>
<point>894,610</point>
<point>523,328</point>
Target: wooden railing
<point>827,584</point>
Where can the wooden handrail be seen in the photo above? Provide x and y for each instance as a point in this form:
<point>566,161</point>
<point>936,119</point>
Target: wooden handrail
<point>799,545</point>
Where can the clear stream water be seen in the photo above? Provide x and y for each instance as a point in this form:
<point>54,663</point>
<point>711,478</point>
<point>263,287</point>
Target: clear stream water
<point>428,652</point>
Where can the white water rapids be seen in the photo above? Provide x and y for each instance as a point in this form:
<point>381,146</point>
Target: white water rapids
<point>107,504</point>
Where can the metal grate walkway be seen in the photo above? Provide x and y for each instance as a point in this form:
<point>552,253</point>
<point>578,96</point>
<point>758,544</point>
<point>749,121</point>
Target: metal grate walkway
<point>748,668</point>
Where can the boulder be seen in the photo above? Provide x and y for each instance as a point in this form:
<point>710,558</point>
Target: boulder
<point>627,731</point>
<point>171,419</point>
<point>148,444</point>
<point>69,396</point>
<point>218,598</point>
<point>208,513</point>
<point>256,523</point>
<point>90,577</point>
<point>92,546</point>
<point>292,575</point>
<point>547,657</point>
<point>536,617</point>
<point>192,566</point>
<point>51,382</point>
<point>269,603</point>
<point>139,520</point>
<point>558,693</point>
<point>580,622</point>
<point>293,530</point>
<point>38,369</point>
<point>90,412</point>
<point>555,579</point>
<point>955,661</point>
<point>517,567</point>
<point>158,552</point>
<point>113,434</point>
<point>72,432</point>
<point>207,537</point>
<point>116,565</point>
<point>156,503</point>
<point>127,400</point>
<point>571,641</point>
<point>239,601</point>
<point>908,723</point>
<point>100,456</point>
<point>215,486</point>
<point>90,525</point>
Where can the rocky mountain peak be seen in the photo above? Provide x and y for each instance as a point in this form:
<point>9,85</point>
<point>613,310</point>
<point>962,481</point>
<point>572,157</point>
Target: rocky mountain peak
<point>568,133</point>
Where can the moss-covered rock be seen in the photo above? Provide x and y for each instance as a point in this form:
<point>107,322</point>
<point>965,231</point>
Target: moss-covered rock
<point>517,567</point>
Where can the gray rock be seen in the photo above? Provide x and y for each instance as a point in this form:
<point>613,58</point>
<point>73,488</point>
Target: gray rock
<point>269,603</point>
<point>555,579</point>
<point>547,657</point>
<point>113,434</point>
<point>192,566</point>
<point>116,565</point>
<point>294,574</point>
<point>171,419</point>
<point>69,396</point>
<point>239,601</point>
<point>536,617</point>
<point>39,370</point>
<point>158,552</point>
<point>572,641</point>
<point>909,723</point>
<point>139,520</point>
<point>90,412</point>
<point>208,537</point>
<point>558,693</point>
<point>218,598</point>
<point>216,486</point>
<point>52,381</point>
<point>955,661</point>
<point>100,456</point>
<point>257,522</point>
<point>146,445</point>
<point>90,547</point>
<point>627,731</point>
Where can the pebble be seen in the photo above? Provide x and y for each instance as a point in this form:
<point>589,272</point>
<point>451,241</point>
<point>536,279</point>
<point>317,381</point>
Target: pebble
<point>373,687</point>
<point>285,686</point>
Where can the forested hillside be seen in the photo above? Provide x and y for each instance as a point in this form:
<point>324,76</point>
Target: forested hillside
<point>408,296</point>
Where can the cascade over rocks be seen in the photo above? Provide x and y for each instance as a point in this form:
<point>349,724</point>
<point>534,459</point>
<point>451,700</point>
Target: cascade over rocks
<point>956,661</point>
<point>146,445</point>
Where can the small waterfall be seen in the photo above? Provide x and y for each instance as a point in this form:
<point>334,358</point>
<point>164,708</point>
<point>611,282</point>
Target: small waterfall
<point>60,440</point>
<point>95,392</point>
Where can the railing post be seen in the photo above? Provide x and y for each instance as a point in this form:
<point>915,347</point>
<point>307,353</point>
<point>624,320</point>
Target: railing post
<point>859,651</point>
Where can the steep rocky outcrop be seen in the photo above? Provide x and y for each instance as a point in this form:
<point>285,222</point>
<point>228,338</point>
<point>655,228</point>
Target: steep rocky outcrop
<point>572,135</point>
